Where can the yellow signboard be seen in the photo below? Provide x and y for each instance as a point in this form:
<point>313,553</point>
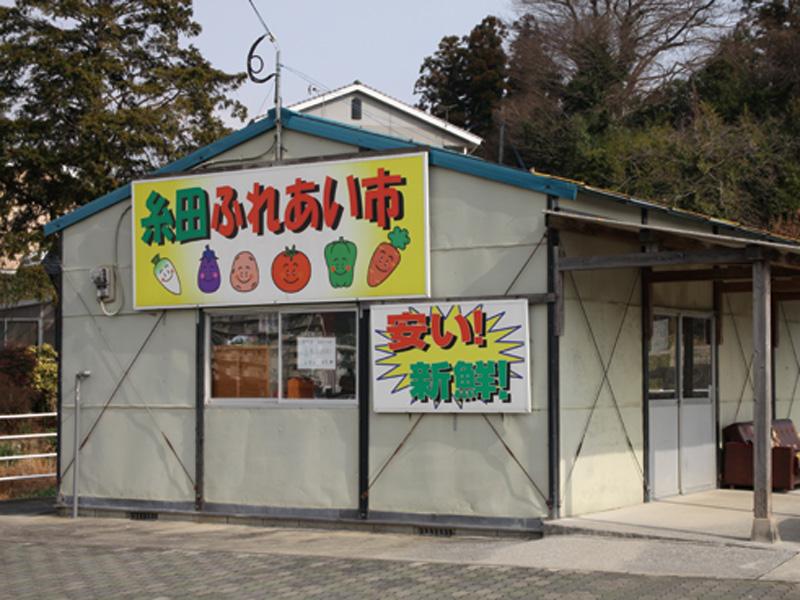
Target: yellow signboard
<point>310,232</point>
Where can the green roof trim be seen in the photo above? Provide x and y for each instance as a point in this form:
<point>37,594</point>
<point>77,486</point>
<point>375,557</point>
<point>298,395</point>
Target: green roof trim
<point>187,162</point>
<point>332,130</point>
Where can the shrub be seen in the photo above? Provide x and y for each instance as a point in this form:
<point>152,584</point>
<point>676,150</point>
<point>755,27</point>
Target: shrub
<point>28,379</point>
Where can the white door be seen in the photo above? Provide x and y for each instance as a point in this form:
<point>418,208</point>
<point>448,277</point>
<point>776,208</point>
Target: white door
<point>681,405</point>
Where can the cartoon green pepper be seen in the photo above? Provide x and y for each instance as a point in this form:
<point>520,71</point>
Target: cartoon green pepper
<point>340,258</point>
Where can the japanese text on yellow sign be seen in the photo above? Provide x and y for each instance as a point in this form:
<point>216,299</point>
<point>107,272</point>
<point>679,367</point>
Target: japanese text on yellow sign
<point>310,232</point>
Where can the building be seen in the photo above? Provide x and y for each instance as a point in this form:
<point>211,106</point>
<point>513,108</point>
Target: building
<point>585,349</point>
<point>364,107</point>
<point>29,321</point>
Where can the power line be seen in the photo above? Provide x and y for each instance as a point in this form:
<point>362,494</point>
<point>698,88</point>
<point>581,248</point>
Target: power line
<point>266,27</point>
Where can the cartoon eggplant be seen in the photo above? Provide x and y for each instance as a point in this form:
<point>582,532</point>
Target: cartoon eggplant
<point>340,258</point>
<point>208,276</point>
<point>167,274</point>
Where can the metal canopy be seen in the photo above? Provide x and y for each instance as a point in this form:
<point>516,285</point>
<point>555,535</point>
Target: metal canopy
<point>739,264</point>
<point>572,220</point>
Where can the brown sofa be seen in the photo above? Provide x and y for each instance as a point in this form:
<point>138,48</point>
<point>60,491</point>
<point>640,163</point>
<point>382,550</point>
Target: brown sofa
<point>738,457</point>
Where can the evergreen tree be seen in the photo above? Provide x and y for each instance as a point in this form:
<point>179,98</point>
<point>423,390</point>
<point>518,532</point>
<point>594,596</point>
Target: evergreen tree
<point>465,79</point>
<point>92,94</point>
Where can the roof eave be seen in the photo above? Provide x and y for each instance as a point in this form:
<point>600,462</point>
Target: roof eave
<point>455,130</point>
<point>187,162</point>
<point>332,130</point>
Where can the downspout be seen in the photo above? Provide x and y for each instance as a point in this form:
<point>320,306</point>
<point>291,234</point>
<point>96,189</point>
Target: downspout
<point>363,413</point>
<point>647,326</point>
<point>553,349</point>
<point>200,410</point>
<point>278,108</point>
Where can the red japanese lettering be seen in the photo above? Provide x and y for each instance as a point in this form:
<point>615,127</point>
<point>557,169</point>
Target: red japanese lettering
<point>407,330</point>
<point>330,208</point>
<point>465,327</point>
<point>480,327</point>
<point>354,191</point>
<point>228,216</point>
<point>264,201</point>
<point>382,201</point>
<point>303,209</point>
<point>441,337</point>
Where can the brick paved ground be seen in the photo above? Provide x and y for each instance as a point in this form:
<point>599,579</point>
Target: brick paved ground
<point>63,569</point>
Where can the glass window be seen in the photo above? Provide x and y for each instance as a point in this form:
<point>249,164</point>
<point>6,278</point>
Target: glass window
<point>696,357</point>
<point>319,354</point>
<point>22,334</point>
<point>284,355</point>
<point>244,356</point>
<point>662,358</point>
<point>355,109</point>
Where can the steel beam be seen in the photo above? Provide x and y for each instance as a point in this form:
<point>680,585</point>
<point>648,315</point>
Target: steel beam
<point>660,259</point>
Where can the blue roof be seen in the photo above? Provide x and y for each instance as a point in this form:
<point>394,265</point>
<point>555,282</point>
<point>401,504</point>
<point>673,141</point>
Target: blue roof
<point>339,132</point>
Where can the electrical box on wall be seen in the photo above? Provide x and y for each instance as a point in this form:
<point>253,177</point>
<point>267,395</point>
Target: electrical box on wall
<point>103,279</point>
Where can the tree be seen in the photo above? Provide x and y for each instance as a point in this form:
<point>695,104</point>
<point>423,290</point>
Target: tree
<point>624,49</point>
<point>465,79</point>
<point>441,82</point>
<point>581,68</point>
<point>92,94</point>
<point>724,141</point>
<point>744,171</point>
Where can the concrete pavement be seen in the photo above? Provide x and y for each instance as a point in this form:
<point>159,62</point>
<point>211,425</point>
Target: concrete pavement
<point>45,555</point>
<point>714,516</point>
<point>568,552</point>
<point>110,557</point>
<point>59,570</point>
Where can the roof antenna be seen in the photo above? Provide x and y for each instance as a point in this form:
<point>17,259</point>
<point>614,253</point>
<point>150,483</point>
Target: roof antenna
<point>255,64</point>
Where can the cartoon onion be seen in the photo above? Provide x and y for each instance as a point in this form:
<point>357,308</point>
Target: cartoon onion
<point>208,276</point>
<point>167,274</point>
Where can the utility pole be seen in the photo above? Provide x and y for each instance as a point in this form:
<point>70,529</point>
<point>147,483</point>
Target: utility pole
<point>502,142</point>
<point>278,120</point>
<point>255,64</point>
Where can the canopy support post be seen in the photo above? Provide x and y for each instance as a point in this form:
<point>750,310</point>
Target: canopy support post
<point>764,529</point>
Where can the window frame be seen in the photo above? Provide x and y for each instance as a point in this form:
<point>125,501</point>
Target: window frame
<point>280,310</point>
<point>36,321</point>
<point>679,314</point>
<point>356,108</point>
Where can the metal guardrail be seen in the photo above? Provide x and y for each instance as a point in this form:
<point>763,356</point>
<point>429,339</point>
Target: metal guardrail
<point>27,416</point>
<point>27,436</point>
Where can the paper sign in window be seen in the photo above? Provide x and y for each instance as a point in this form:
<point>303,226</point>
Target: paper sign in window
<point>316,353</point>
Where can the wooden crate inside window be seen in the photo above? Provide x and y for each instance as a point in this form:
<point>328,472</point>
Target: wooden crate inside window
<point>240,371</point>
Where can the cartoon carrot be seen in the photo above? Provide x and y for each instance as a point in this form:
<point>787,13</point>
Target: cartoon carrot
<point>387,256</point>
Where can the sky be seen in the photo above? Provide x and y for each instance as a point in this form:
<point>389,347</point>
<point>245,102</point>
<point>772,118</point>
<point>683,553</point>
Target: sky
<point>335,42</point>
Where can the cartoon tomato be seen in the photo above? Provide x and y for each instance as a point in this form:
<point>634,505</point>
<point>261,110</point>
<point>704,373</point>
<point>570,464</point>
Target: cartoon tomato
<point>244,272</point>
<point>208,278</point>
<point>291,270</point>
